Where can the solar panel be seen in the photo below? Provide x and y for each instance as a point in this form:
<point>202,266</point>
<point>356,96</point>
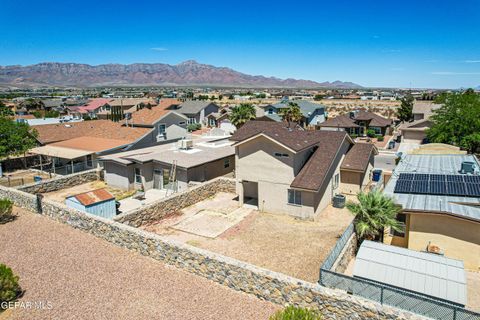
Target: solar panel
<point>403,186</point>
<point>421,177</point>
<point>454,178</point>
<point>437,187</point>
<point>437,177</point>
<point>419,187</point>
<point>472,179</point>
<point>406,176</point>
<point>472,189</point>
<point>456,188</point>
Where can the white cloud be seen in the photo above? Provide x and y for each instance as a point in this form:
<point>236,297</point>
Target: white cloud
<point>449,73</point>
<point>159,49</point>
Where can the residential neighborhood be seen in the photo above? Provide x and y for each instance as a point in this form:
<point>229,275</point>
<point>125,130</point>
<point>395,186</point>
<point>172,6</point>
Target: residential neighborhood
<point>254,161</point>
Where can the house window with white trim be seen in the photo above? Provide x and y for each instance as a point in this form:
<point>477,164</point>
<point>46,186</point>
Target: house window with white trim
<point>336,181</point>
<point>182,123</point>
<point>138,175</point>
<point>191,120</point>
<point>294,197</point>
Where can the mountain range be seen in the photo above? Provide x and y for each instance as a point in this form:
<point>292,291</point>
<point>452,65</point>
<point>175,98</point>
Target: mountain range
<point>188,73</point>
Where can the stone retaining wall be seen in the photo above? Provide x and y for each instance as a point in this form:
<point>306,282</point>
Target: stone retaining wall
<point>177,201</point>
<point>241,276</point>
<point>61,182</point>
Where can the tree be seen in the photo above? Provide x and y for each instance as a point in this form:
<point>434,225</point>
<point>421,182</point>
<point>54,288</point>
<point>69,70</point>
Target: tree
<point>241,114</point>
<point>15,138</point>
<point>292,113</point>
<point>405,112</point>
<point>373,212</point>
<point>457,122</point>
<point>32,104</point>
<point>318,97</point>
<point>5,111</point>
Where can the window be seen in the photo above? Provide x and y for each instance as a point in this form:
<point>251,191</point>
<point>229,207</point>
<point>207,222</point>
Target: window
<point>226,163</point>
<point>336,181</point>
<point>162,128</point>
<point>402,219</point>
<point>138,175</point>
<point>270,111</point>
<point>281,155</point>
<point>182,123</point>
<point>191,120</point>
<point>89,160</point>
<point>295,197</point>
<point>377,130</point>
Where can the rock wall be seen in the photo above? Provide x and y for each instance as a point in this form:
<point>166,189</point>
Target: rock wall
<point>177,201</point>
<point>268,285</point>
<point>61,182</point>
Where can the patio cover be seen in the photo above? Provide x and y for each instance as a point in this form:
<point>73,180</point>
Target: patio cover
<point>60,152</point>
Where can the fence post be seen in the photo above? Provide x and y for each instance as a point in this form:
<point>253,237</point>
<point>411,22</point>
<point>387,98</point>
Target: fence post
<point>455,313</point>
<point>381,295</point>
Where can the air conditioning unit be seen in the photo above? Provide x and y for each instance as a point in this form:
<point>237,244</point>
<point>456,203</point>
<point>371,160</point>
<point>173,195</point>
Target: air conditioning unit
<point>467,167</point>
<point>185,144</point>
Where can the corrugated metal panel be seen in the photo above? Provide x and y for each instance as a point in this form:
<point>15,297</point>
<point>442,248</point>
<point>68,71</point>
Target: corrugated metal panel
<point>104,209</point>
<point>421,272</point>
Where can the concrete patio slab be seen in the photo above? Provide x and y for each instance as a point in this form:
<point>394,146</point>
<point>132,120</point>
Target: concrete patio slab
<point>211,223</point>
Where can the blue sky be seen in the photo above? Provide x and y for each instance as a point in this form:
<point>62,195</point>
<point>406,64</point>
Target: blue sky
<point>405,43</point>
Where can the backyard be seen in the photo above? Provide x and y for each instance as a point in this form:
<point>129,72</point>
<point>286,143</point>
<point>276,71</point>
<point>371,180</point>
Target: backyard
<point>273,241</point>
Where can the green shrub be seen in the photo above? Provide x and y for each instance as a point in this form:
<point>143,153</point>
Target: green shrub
<point>194,126</point>
<point>353,135</point>
<point>9,288</point>
<point>6,209</point>
<point>371,133</point>
<point>296,313</point>
<point>380,138</point>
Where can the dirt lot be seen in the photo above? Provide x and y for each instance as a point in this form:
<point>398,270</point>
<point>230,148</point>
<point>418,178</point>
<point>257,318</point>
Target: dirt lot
<point>83,277</point>
<point>21,177</point>
<point>277,242</point>
<point>61,195</point>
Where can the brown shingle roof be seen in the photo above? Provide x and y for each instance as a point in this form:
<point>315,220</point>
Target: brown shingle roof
<point>325,143</point>
<point>129,102</point>
<point>341,121</point>
<point>94,196</point>
<point>296,138</point>
<point>50,133</point>
<point>148,116</point>
<point>358,156</point>
<point>375,119</point>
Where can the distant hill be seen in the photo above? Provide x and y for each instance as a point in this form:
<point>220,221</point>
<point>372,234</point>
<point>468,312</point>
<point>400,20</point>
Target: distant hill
<point>186,73</point>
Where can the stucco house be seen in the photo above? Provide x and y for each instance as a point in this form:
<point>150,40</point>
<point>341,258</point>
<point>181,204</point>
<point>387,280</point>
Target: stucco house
<point>170,166</point>
<point>415,131</point>
<point>358,122</point>
<point>197,111</point>
<point>440,198</point>
<point>313,113</point>
<point>290,170</point>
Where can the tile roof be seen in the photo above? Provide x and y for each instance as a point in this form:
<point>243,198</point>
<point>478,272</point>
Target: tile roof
<point>95,196</point>
<point>50,133</point>
<point>129,102</point>
<point>358,157</point>
<point>91,105</point>
<point>325,143</point>
<point>194,106</point>
<point>345,121</point>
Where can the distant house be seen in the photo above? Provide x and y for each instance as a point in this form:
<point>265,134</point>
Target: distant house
<point>293,171</point>
<point>98,202</point>
<point>197,111</point>
<point>170,166</point>
<point>124,105</point>
<point>358,122</point>
<point>313,113</point>
<point>415,131</point>
<point>440,198</point>
<point>90,109</point>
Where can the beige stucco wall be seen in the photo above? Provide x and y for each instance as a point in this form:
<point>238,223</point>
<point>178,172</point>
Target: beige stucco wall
<point>413,136</point>
<point>396,240</point>
<point>458,238</point>
<point>118,176</point>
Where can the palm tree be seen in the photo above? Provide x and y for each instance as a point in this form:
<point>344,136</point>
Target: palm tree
<point>373,212</point>
<point>241,114</point>
<point>292,113</point>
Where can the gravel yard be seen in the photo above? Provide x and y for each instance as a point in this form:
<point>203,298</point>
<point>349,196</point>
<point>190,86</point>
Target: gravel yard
<point>83,277</point>
<point>277,242</point>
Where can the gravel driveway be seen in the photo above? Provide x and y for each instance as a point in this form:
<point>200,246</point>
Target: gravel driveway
<point>83,277</point>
